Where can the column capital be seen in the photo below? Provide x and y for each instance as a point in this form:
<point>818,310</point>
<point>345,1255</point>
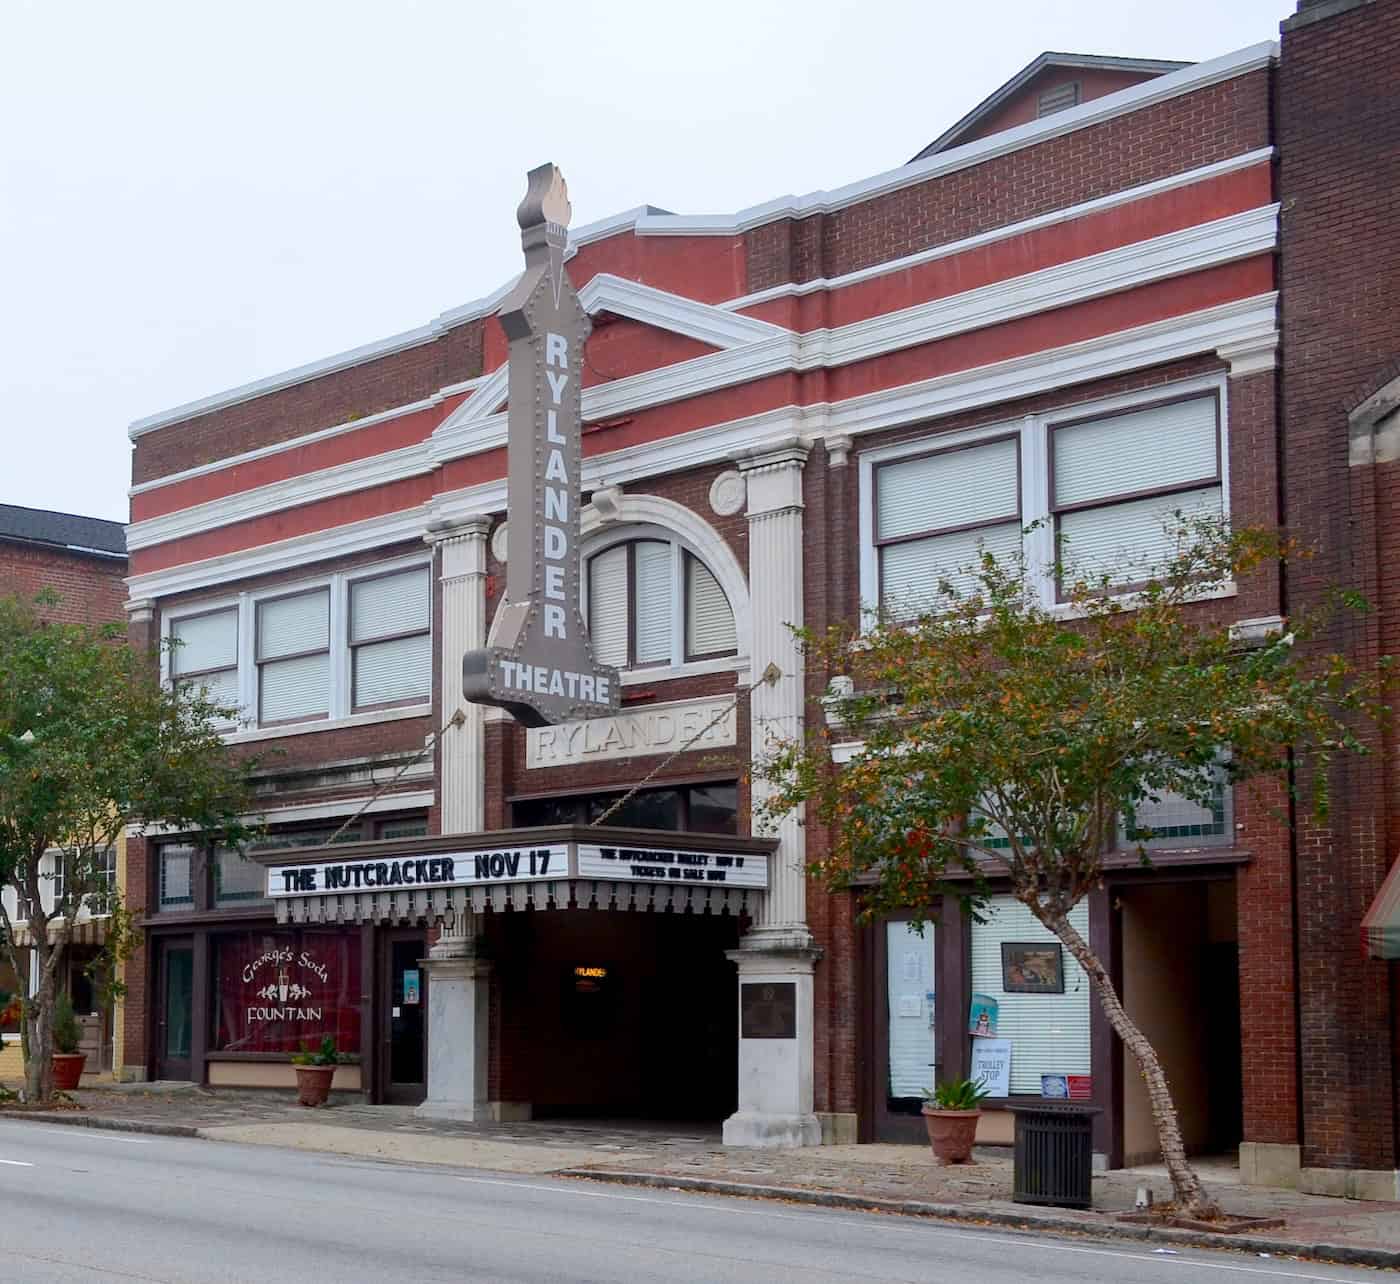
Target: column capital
<point>140,610</point>
<point>446,530</point>
<point>774,476</point>
<point>463,544</point>
<point>1250,356</point>
<point>838,449</point>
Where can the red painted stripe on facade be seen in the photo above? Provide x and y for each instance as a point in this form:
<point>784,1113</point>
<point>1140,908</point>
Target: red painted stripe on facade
<point>1091,319</point>
<point>1032,251</point>
<point>361,443</point>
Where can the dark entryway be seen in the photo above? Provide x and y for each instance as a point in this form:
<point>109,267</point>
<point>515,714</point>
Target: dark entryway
<point>618,1014</point>
<point>175,1027</point>
<point>403,1058</point>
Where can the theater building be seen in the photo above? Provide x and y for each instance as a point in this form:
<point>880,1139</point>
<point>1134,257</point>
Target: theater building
<point>1064,311</point>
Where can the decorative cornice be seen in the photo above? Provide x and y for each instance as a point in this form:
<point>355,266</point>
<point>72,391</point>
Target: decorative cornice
<point>643,221</point>
<point>1158,342</point>
<point>1250,356</point>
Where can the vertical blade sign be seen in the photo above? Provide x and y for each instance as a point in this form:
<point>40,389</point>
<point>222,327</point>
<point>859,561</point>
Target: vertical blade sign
<point>538,662</point>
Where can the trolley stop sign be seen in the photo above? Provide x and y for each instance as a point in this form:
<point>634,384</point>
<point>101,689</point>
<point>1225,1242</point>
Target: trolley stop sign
<point>538,662</point>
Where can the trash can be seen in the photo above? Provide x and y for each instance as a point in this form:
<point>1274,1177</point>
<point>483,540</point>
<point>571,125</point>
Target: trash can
<point>1054,1154</point>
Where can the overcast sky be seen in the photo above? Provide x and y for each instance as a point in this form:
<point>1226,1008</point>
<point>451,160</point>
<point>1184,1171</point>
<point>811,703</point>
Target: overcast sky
<point>194,195</point>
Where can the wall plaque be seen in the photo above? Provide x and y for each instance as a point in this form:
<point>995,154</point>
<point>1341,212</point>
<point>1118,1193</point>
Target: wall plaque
<point>768,1010</point>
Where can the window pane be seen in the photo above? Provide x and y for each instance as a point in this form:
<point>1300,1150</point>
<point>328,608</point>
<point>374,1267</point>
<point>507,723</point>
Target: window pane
<point>709,621</point>
<point>398,603</point>
<point>953,488</point>
<point>318,837</point>
<point>397,670</point>
<point>909,984</point>
<point>651,809</point>
<point>291,625</point>
<point>175,887</point>
<point>274,991</point>
<point>607,606</point>
<point>206,642</point>
<point>221,687</point>
<point>1049,1033</point>
<point>909,573</point>
<point>1129,542</point>
<point>653,600</point>
<point>236,878</point>
<point>295,688</point>
<point>403,828</point>
<point>1178,822</point>
<point>1156,447</point>
<point>714,809</point>
<point>547,811</point>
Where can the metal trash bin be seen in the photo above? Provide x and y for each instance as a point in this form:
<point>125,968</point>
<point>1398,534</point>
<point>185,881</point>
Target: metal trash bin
<point>1054,1160</point>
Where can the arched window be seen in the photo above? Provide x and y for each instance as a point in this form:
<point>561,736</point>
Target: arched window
<point>653,602</point>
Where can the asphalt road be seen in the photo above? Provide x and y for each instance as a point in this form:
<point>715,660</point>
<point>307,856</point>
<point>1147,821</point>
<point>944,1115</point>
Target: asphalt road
<point>80,1204</point>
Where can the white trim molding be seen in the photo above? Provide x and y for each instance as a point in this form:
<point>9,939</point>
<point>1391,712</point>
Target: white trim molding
<point>642,221</point>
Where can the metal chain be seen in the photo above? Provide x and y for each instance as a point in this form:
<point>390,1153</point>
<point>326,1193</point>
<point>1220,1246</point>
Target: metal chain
<point>770,676</point>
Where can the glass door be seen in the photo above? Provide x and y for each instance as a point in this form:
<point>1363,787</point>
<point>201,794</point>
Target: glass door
<point>912,1060</point>
<point>406,1082</point>
<point>175,1023</point>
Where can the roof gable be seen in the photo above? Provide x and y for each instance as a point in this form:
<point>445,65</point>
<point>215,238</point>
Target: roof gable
<point>1015,102</point>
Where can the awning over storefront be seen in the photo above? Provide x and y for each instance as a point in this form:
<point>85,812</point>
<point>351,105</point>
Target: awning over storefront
<point>86,931</point>
<point>558,867</point>
<point>1380,927</point>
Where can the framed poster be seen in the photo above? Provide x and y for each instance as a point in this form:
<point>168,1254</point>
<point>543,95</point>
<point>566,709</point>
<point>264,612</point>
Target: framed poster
<point>1032,967</point>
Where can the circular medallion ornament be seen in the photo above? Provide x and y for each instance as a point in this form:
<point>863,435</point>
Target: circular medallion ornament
<point>728,493</point>
<point>499,543</point>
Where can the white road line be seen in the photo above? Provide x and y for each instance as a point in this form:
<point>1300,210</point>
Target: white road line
<point>78,1132</point>
<point>926,1228</point>
<point>15,1163</point>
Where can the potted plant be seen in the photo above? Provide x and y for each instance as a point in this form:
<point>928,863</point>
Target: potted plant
<point>67,1037</point>
<point>951,1112</point>
<point>315,1070</point>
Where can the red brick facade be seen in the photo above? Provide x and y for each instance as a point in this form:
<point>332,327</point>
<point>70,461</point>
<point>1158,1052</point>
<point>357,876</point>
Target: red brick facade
<point>861,352</point>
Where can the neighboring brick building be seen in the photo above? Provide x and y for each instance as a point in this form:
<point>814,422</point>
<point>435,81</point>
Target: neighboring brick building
<point>783,414</point>
<point>83,561</point>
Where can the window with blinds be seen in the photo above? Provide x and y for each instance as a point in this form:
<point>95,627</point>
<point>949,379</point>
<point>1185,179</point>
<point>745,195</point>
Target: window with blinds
<point>651,602</point>
<point>205,654</point>
<point>390,640</point>
<point>1119,481</point>
<point>1049,1033</point>
<point>293,657</point>
<point>934,516</point>
<point>709,622</point>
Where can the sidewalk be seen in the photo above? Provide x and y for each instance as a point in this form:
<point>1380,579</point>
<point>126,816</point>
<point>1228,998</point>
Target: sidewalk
<point>679,1156</point>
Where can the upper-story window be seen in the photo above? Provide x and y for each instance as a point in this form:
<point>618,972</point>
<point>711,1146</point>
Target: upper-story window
<point>1098,492</point>
<point>293,657</point>
<point>652,602</point>
<point>347,643</point>
<point>206,653</point>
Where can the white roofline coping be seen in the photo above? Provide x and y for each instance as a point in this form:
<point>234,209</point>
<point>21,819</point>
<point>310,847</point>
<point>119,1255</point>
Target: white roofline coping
<point>641,223</point>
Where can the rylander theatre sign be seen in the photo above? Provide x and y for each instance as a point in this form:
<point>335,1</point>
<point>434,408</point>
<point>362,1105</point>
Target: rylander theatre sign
<point>538,662</point>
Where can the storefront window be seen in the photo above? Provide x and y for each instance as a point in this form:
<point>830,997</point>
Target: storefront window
<point>275,991</point>
<point>1031,992</point>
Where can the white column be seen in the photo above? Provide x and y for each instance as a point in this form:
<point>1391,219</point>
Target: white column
<point>775,1073</point>
<point>459,1031</point>
<point>463,576</point>
<point>459,977</point>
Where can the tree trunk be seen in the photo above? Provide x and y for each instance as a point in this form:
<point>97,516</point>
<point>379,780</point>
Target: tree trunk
<point>38,1070</point>
<point>1190,1195</point>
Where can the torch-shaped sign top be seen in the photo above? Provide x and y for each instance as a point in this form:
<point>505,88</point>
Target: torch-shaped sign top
<point>538,662</point>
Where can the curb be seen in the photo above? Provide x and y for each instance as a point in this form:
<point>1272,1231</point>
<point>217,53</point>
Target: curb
<point>1340,1254</point>
<point>74,1120</point>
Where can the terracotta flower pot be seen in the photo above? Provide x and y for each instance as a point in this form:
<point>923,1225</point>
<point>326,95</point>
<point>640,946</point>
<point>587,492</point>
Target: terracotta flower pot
<point>68,1070</point>
<point>314,1084</point>
<point>951,1134</point>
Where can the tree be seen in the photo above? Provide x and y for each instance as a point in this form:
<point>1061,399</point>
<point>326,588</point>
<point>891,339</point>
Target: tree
<point>91,741</point>
<point>1004,736</point>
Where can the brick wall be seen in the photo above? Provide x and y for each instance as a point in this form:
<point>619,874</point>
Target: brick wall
<point>91,590</point>
<point>1195,129</point>
<point>1339,169</point>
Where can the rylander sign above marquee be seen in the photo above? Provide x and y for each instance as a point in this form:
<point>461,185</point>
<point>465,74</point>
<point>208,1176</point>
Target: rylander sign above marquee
<point>538,662</point>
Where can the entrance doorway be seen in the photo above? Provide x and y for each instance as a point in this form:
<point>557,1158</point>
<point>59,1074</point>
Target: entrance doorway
<point>175,1028</point>
<point>403,1052</point>
<point>618,1014</point>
